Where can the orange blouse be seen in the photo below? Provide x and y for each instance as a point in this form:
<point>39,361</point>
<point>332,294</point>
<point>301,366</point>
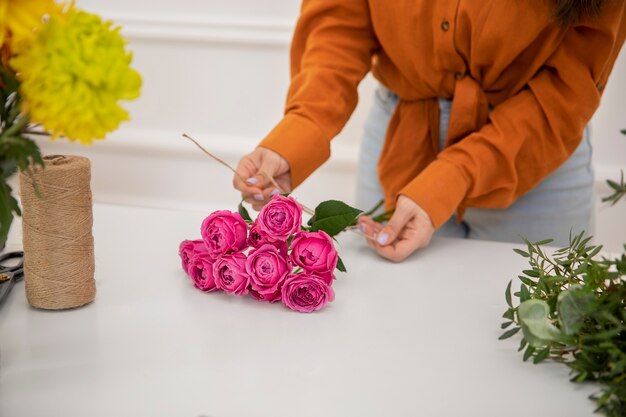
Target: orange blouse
<point>542,81</point>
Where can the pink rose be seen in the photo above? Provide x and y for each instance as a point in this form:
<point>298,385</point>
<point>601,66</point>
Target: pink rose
<point>306,292</point>
<point>187,249</point>
<point>267,269</point>
<point>224,232</point>
<point>201,272</point>
<point>230,274</point>
<point>256,239</point>
<point>314,252</point>
<point>280,218</point>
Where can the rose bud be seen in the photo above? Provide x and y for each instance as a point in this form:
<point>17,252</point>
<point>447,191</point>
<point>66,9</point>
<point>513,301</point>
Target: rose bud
<point>224,232</point>
<point>230,274</point>
<point>267,269</point>
<point>187,249</point>
<point>306,292</point>
<point>280,218</point>
<point>314,252</point>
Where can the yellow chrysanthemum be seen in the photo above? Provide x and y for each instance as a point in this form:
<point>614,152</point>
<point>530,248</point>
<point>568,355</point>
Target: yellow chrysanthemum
<point>73,74</point>
<point>20,19</point>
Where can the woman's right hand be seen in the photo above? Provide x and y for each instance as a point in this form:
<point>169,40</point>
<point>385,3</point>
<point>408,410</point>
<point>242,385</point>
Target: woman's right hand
<point>252,179</point>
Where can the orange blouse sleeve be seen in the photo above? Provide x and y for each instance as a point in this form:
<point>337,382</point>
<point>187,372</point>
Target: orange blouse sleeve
<point>530,134</point>
<point>330,54</point>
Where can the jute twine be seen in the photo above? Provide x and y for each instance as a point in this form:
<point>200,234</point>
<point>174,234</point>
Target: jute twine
<point>58,243</point>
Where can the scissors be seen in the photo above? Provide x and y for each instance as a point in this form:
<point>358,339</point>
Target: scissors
<point>10,272</point>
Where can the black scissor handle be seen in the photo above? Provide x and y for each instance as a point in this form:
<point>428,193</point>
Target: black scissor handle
<point>11,255</point>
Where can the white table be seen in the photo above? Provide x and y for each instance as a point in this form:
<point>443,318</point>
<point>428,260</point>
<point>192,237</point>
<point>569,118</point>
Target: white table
<point>411,339</point>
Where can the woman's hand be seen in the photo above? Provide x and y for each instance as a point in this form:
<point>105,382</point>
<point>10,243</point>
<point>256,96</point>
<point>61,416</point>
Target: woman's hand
<point>409,229</point>
<point>255,168</point>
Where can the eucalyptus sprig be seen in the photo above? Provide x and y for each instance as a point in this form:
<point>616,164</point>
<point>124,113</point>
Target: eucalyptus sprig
<point>572,309</point>
<point>619,189</point>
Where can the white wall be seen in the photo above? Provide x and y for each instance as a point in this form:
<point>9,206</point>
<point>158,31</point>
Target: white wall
<point>218,70</point>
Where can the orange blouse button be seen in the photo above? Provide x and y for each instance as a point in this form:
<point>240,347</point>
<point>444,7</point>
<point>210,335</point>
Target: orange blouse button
<point>458,75</point>
<point>445,25</point>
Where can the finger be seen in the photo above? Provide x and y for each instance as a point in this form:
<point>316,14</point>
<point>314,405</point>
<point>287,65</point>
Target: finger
<point>243,179</point>
<point>264,177</point>
<point>368,226</point>
<point>399,250</point>
<point>389,233</point>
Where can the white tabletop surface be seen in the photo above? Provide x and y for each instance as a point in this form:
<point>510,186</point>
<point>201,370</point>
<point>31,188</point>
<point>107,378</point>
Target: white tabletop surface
<point>411,339</point>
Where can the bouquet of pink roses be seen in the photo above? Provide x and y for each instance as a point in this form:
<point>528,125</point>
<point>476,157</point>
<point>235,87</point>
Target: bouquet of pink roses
<point>273,258</point>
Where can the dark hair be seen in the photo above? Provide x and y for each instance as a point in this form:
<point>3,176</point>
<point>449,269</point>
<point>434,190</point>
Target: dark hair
<point>567,12</point>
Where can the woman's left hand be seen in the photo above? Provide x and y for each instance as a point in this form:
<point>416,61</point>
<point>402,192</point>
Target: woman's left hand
<point>409,229</point>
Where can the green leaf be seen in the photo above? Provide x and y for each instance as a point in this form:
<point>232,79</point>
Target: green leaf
<point>524,293</point>
<point>528,352</point>
<point>509,314</point>
<point>333,217</point>
<point>572,305</point>
<point>544,242</point>
<point>8,206</point>
<point>532,273</point>
<point>521,252</point>
<point>507,294</point>
<point>506,324</point>
<point>541,355</point>
<point>537,328</point>
<point>244,212</point>
<point>340,265</point>
<point>509,333</point>
<point>522,344</point>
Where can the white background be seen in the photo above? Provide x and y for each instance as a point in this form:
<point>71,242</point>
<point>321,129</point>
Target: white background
<point>218,70</point>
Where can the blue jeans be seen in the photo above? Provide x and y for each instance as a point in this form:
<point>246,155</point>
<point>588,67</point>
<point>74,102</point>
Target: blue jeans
<point>559,205</point>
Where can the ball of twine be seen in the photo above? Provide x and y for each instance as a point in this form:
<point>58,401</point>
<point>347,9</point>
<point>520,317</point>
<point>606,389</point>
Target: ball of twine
<point>58,243</point>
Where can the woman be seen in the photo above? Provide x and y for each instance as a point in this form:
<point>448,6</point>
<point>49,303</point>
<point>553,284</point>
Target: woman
<point>481,103</point>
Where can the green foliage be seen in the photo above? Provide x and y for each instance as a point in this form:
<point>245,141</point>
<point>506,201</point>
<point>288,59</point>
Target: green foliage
<point>572,309</point>
<point>16,150</point>
<point>333,217</point>
<point>619,191</point>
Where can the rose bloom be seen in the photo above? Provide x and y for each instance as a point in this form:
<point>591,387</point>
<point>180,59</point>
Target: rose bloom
<point>201,272</point>
<point>230,274</point>
<point>187,249</point>
<point>314,252</point>
<point>224,232</point>
<point>306,292</point>
<point>280,218</point>
<point>267,269</point>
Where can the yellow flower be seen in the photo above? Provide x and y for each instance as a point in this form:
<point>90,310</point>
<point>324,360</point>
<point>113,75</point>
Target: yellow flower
<point>20,19</point>
<point>73,74</point>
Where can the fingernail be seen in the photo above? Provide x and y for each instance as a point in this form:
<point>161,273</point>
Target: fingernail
<point>362,227</point>
<point>252,180</point>
<point>258,197</point>
<point>382,239</point>
<point>275,191</point>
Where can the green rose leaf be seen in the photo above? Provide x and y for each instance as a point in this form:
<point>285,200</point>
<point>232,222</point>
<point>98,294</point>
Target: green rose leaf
<point>340,265</point>
<point>333,217</point>
<point>244,212</point>
<point>571,306</point>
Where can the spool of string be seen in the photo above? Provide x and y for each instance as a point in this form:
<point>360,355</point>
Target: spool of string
<point>58,243</point>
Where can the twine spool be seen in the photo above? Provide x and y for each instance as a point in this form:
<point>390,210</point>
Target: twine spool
<point>58,243</point>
